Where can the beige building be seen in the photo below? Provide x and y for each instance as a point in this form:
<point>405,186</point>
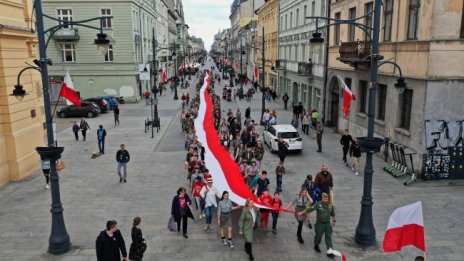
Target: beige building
<point>21,121</point>
<point>268,16</point>
<point>426,39</point>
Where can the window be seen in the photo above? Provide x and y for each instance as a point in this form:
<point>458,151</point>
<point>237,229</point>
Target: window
<point>362,96</point>
<point>388,15</point>
<point>296,53</point>
<point>406,106</point>
<point>369,7</point>
<point>323,8</point>
<point>68,53</point>
<point>305,13</point>
<point>107,21</point>
<point>414,6</point>
<point>381,101</point>
<point>286,22</point>
<point>348,82</point>
<point>109,54</point>
<point>65,15</point>
<point>282,23</point>
<point>352,28</point>
<point>462,21</point>
<point>291,19</point>
<point>303,52</point>
<point>297,17</point>
<point>337,30</point>
<point>313,8</point>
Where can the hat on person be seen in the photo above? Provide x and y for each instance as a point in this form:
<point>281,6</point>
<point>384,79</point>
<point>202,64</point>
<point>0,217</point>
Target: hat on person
<point>310,177</point>
<point>198,178</point>
<point>209,180</point>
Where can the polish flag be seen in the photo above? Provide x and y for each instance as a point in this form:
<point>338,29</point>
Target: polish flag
<point>68,92</point>
<point>164,75</point>
<point>225,172</point>
<point>181,68</point>
<point>337,253</point>
<point>347,97</point>
<point>405,227</point>
<point>256,71</point>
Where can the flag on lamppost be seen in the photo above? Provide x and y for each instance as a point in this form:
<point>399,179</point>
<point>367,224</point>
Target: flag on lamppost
<point>164,75</point>
<point>68,92</point>
<point>256,71</point>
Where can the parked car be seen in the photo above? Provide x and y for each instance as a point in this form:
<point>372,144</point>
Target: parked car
<point>286,132</point>
<point>101,102</point>
<point>112,102</point>
<point>87,109</point>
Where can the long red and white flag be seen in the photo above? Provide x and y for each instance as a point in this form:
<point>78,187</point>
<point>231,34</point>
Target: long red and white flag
<point>68,92</point>
<point>405,227</point>
<point>225,172</point>
<point>347,97</point>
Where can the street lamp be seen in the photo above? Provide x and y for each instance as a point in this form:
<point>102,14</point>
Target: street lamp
<point>365,231</point>
<point>59,242</point>
<point>176,97</point>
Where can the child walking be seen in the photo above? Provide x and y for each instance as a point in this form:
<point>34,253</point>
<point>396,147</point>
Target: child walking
<point>280,172</point>
<point>276,204</point>
<point>196,188</point>
<point>266,200</point>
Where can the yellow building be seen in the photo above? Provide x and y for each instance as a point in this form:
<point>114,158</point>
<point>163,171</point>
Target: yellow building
<point>426,39</point>
<point>268,17</point>
<point>21,121</point>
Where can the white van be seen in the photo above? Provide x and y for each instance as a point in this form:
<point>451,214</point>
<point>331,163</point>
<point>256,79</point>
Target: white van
<point>286,132</point>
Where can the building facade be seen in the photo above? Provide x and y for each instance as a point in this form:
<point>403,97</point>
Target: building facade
<point>303,76</point>
<point>425,38</point>
<point>115,73</point>
<point>268,17</point>
<point>21,121</point>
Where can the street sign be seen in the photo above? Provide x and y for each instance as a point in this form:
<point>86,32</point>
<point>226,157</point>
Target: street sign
<point>144,72</point>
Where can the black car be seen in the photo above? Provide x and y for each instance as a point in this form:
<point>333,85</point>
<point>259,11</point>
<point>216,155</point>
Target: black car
<point>87,109</point>
<point>101,102</point>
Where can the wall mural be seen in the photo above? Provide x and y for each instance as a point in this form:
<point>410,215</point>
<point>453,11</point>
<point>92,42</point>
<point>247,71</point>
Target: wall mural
<point>444,142</point>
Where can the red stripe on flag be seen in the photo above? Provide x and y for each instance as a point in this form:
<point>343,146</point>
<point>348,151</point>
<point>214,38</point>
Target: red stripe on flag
<point>70,95</point>
<point>409,234</point>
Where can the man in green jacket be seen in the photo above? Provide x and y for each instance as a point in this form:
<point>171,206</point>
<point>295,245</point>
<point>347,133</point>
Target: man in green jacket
<point>324,210</point>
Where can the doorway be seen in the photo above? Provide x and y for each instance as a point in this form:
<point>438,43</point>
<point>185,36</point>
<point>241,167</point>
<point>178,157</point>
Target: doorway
<point>334,102</point>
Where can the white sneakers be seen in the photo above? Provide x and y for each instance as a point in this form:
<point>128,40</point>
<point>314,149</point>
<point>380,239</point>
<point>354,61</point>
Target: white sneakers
<point>47,186</point>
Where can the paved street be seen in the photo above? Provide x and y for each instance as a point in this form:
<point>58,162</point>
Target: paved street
<point>91,195</point>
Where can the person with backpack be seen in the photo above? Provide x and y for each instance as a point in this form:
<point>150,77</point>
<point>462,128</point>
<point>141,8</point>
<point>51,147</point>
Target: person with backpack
<point>110,244</point>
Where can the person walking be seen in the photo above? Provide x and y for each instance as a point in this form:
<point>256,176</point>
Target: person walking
<point>295,121</point>
<point>84,126</point>
<point>209,193</point>
<point>122,157</point>
<point>305,123</point>
<point>75,129</point>
<point>324,210</point>
<point>224,220</point>
<point>101,134</point>
<point>301,203</point>
<point>324,180</point>
<point>250,215</point>
<point>110,244</point>
<point>345,141</point>
<point>180,210</point>
<point>282,149</point>
<point>319,131</point>
<point>139,244</point>
<point>355,155</point>
<point>266,200</point>
<point>258,152</point>
<point>280,172</point>
<point>116,115</point>
<point>276,204</point>
<point>285,98</point>
<point>46,171</point>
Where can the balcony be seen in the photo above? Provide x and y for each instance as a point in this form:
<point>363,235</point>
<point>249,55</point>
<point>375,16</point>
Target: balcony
<point>66,35</point>
<point>305,69</point>
<point>281,65</point>
<point>355,53</point>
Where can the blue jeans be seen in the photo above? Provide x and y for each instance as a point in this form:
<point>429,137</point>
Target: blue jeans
<point>209,214</point>
<point>101,146</point>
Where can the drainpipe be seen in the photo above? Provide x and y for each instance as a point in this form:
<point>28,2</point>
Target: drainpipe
<point>326,66</point>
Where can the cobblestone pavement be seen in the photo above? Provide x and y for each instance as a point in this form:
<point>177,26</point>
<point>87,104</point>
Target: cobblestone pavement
<point>91,194</point>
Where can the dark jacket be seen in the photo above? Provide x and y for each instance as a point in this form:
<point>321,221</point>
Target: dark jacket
<point>75,128</point>
<point>122,156</point>
<point>324,181</point>
<point>84,125</point>
<point>355,150</point>
<point>175,208</point>
<point>101,134</point>
<point>247,113</point>
<point>345,140</point>
<point>108,247</point>
<point>138,245</point>
<point>282,149</point>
